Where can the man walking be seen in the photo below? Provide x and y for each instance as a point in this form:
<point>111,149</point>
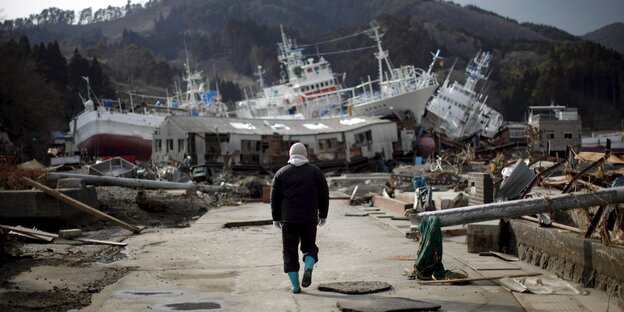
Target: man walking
<point>299,202</point>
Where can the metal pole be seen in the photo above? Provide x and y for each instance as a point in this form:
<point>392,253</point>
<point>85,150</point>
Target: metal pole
<point>151,184</point>
<point>517,208</point>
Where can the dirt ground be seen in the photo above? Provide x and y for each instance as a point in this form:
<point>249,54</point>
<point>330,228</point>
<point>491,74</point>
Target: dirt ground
<point>63,274</point>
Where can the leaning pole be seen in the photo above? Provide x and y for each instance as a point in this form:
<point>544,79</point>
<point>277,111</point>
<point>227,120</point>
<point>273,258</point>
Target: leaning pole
<point>521,207</point>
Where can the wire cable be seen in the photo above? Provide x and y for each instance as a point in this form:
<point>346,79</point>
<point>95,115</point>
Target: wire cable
<point>332,40</point>
<point>341,51</point>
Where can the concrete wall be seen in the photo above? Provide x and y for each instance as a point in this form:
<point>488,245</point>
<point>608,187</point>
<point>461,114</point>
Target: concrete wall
<point>34,204</point>
<point>585,261</point>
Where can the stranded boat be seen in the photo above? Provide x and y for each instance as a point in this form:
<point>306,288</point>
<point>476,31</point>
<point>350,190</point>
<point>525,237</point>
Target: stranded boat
<point>110,129</point>
<point>308,90</point>
<point>397,90</point>
<point>458,111</point>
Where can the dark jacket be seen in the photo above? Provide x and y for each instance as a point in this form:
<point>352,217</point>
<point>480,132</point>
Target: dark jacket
<point>299,194</point>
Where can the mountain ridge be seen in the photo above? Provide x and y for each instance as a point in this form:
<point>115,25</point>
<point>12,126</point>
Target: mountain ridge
<point>611,36</point>
<point>231,38</point>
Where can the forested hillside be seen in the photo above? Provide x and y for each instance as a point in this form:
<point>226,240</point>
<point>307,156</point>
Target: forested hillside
<point>144,47</point>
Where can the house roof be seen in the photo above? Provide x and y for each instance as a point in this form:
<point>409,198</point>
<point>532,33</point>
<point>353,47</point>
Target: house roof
<point>196,124</point>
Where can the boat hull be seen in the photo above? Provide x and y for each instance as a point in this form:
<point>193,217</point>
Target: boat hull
<point>105,133</point>
<point>415,101</point>
<point>118,145</point>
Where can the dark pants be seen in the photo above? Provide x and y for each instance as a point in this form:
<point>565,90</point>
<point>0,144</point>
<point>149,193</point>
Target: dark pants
<point>292,235</point>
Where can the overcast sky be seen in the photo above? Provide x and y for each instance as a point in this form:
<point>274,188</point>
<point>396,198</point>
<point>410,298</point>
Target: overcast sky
<point>577,17</point>
<point>11,9</point>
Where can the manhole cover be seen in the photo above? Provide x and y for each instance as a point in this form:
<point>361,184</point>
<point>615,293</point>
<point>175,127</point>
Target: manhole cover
<point>355,287</point>
<point>386,304</point>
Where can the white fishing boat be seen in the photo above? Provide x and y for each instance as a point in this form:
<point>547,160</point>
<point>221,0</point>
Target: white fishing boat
<point>308,89</point>
<point>397,90</point>
<point>109,128</point>
<point>458,111</point>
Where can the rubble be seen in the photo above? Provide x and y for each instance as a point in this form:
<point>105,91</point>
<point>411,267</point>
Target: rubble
<point>457,187</point>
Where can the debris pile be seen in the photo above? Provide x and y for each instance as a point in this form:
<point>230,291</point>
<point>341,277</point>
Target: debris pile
<point>11,177</point>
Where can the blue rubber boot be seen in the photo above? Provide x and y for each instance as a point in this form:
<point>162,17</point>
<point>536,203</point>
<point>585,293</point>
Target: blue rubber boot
<point>307,271</point>
<point>294,280</point>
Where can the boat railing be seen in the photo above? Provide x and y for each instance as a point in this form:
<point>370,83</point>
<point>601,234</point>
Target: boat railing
<point>326,104</point>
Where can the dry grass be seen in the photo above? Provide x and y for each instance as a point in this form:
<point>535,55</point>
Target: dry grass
<point>10,177</point>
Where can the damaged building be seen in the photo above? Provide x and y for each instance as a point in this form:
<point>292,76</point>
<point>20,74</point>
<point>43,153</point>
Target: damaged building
<point>257,143</point>
<point>560,127</point>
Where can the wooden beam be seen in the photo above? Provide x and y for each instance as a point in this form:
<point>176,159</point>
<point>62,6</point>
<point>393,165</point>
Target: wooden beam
<point>86,208</point>
<point>474,279</point>
<point>594,223</point>
<point>555,224</point>
<point>32,236</point>
<point>97,241</point>
<point>28,231</point>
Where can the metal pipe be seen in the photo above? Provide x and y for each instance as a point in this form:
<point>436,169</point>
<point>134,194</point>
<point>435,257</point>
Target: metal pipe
<point>517,208</point>
<point>152,184</point>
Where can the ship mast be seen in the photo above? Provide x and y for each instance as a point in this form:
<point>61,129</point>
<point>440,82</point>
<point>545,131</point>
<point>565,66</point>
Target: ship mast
<point>476,69</point>
<point>190,98</point>
<point>382,55</point>
<point>290,56</point>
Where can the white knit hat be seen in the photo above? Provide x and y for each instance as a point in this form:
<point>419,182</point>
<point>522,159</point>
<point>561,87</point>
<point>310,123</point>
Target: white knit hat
<point>298,149</point>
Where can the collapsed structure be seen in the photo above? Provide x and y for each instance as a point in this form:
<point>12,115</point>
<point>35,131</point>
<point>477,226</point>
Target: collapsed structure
<point>256,143</point>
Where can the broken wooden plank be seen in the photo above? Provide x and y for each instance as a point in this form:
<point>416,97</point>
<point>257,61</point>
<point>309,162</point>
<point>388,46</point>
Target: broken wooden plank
<point>394,205</point>
<point>555,224</point>
<point>594,222</point>
<point>400,218</point>
<point>32,236</point>
<point>28,231</point>
<point>247,223</point>
<point>356,214</point>
<point>568,187</point>
<point>86,208</point>
<point>474,279</point>
<point>97,241</point>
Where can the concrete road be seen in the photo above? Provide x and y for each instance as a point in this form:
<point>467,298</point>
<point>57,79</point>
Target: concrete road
<point>208,267</point>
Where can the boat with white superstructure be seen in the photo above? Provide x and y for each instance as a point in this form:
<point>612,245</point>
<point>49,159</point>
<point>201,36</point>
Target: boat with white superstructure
<point>458,111</point>
<point>308,89</point>
<point>396,90</point>
<point>108,128</point>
